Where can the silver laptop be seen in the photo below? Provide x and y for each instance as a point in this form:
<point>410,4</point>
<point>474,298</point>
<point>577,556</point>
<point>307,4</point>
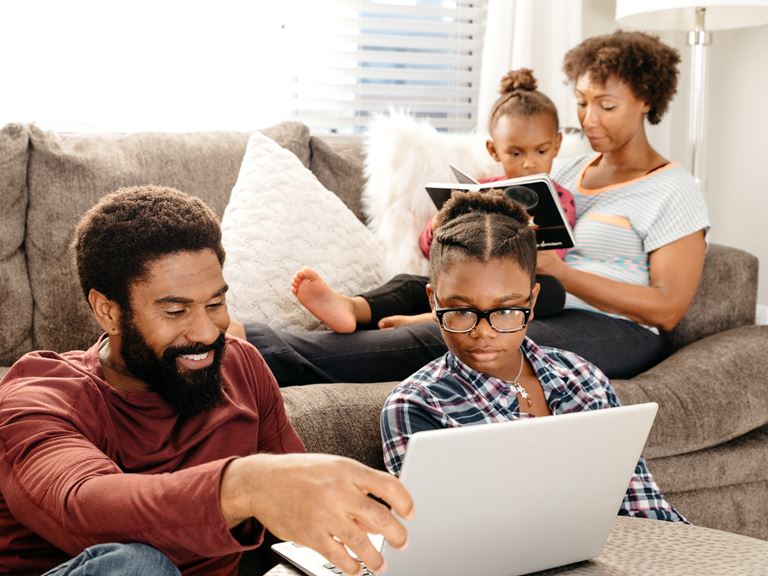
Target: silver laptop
<point>511,498</point>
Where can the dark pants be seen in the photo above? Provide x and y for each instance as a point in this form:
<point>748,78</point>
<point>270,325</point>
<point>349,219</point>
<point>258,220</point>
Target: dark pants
<point>406,294</point>
<point>620,348</point>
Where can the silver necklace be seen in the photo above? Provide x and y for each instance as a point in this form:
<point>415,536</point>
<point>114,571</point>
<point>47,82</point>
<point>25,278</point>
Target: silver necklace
<point>516,384</point>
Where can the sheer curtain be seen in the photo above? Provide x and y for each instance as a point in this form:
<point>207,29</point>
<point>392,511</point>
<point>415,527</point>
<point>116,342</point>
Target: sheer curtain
<point>535,34</point>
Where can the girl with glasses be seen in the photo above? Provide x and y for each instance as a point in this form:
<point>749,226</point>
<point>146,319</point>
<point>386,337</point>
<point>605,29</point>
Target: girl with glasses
<point>482,290</point>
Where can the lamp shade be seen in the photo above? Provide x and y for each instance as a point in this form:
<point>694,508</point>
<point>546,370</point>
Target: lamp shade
<point>680,14</point>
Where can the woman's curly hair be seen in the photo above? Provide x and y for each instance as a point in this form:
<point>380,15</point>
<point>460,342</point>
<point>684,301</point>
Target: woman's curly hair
<point>641,60</point>
<point>126,230</point>
<point>482,226</point>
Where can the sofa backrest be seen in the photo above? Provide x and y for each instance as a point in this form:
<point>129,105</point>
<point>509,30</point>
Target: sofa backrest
<point>15,291</point>
<point>48,180</point>
<point>726,298</point>
<point>68,173</point>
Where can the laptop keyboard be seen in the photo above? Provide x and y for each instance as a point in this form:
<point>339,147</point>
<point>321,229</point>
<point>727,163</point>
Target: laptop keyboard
<point>335,570</point>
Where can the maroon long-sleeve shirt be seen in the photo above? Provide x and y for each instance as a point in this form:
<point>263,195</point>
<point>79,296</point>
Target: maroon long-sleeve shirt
<point>81,463</point>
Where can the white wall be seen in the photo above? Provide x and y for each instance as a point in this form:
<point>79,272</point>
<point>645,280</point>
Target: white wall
<point>737,149</point>
<point>736,125</point>
<point>737,128</point>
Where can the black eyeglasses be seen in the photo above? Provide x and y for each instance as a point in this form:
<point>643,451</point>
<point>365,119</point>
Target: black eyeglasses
<point>502,319</point>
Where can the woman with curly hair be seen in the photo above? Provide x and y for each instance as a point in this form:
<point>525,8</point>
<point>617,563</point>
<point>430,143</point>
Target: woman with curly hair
<point>640,239</point>
<point>641,219</point>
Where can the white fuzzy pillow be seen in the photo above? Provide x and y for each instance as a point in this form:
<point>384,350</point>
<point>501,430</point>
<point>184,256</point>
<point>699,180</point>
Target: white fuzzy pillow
<point>403,154</point>
<point>280,218</point>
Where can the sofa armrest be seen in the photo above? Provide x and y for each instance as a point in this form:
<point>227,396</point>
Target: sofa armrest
<point>726,298</point>
<point>708,393</point>
<point>340,419</point>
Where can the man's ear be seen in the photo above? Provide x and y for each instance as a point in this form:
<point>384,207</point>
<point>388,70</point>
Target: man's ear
<point>491,147</point>
<point>107,312</point>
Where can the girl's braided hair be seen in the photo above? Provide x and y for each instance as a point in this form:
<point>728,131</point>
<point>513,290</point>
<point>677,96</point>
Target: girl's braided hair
<point>482,226</point>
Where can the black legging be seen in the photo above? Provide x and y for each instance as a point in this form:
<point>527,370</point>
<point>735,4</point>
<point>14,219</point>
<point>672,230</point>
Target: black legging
<point>406,294</point>
<point>620,348</point>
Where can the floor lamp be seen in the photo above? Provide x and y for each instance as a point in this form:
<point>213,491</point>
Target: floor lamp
<point>698,17</point>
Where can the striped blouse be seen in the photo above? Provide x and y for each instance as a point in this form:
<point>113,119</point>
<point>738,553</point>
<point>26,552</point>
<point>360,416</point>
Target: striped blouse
<point>618,226</point>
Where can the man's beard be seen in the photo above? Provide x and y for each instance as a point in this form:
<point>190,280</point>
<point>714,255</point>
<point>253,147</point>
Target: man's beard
<point>189,392</point>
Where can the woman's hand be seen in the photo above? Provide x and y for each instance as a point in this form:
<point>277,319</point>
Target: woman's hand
<point>549,263</point>
<point>675,271</point>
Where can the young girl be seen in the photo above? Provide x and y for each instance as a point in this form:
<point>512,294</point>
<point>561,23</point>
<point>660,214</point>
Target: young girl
<point>525,138</point>
<point>482,292</point>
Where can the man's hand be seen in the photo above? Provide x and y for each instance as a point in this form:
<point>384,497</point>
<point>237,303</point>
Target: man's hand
<point>320,501</point>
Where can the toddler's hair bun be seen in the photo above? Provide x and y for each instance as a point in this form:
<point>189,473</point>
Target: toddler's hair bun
<point>514,80</point>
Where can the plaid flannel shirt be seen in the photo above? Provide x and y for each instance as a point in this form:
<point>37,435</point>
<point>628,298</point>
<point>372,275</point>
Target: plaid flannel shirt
<point>447,393</point>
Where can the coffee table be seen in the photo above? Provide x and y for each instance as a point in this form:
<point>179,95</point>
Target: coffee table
<point>638,547</point>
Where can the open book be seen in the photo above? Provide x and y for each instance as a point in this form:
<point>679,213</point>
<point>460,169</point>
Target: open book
<point>536,193</point>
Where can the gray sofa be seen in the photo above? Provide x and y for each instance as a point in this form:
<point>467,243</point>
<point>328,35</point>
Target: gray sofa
<point>708,448</point>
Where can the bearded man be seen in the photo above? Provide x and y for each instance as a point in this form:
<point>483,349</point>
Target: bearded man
<point>165,447</point>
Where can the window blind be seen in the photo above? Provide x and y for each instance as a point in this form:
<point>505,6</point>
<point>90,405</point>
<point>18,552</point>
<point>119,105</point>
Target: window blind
<point>354,59</point>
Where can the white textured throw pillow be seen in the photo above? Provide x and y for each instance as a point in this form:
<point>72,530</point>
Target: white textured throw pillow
<point>280,218</point>
<point>403,154</point>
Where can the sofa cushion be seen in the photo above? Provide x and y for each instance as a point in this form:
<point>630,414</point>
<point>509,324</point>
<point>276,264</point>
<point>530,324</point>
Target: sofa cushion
<point>339,167</point>
<point>293,136</point>
<point>726,298</point>
<point>16,309</point>
<point>709,392</point>
<point>739,461</point>
<point>68,173</point>
<point>340,419</point>
<point>711,486</point>
<point>280,218</point>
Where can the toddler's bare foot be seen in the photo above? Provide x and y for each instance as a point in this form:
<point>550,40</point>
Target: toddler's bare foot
<point>336,310</point>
